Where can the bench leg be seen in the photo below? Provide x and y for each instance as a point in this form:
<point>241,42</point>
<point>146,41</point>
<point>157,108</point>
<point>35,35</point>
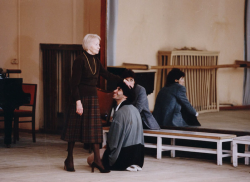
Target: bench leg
<point>159,147</point>
<point>231,148</point>
<point>235,156</point>
<point>172,143</point>
<point>219,153</point>
<point>246,151</point>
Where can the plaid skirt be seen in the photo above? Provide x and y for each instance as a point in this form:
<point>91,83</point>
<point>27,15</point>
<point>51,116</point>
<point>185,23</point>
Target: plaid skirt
<point>86,128</point>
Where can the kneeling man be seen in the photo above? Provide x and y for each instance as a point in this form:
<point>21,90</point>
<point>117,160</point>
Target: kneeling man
<point>125,142</point>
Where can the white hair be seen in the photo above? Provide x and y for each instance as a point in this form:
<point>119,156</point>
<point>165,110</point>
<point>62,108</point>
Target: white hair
<point>87,40</point>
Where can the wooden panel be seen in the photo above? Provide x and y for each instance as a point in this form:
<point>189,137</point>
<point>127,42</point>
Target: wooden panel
<point>190,134</point>
<point>243,138</point>
<point>49,88</point>
<point>57,64</point>
<point>189,149</point>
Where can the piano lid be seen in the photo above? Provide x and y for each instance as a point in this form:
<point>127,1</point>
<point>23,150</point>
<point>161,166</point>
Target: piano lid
<point>145,79</point>
<point>11,93</point>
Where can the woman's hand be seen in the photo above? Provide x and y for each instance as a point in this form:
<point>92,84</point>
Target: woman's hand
<point>79,108</point>
<point>129,84</point>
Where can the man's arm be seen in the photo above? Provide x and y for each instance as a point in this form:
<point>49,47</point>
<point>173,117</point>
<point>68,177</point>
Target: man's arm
<point>182,99</point>
<point>141,98</point>
<point>115,135</point>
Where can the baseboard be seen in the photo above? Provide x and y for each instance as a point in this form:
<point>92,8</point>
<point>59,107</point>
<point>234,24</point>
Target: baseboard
<point>247,107</point>
<point>41,130</point>
<point>50,131</point>
<point>27,130</point>
<point>21,130</point>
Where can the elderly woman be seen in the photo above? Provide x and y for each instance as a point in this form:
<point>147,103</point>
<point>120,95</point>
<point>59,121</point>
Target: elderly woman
<point>141,101</point>
<point>83,122</point>
<point>172,107</point>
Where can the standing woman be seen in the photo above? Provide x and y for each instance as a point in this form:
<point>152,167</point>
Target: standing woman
<point>84,122</point>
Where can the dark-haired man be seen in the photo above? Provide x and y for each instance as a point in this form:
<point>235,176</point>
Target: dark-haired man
<point>172,107</point>
<point>125,142</point>
<point>141,101</point>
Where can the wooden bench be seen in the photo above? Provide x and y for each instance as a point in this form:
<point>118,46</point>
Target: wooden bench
<point>245,140</point>
<point>187,135</point>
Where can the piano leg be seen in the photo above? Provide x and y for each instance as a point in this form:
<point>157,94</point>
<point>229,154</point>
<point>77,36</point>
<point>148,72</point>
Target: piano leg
<point>8,118</point>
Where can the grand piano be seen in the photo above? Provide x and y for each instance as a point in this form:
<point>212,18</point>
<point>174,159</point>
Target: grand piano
<point>11,97</point>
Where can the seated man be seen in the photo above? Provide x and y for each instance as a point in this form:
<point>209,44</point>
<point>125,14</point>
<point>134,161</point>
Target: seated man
<point>172,107</point>
<point>141,102</point>
<point>125,142</point>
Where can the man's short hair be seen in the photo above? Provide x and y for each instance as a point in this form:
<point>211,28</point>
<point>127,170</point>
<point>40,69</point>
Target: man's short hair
<point>174,74</point>
<point>128,92</point>
<point>128,73</point>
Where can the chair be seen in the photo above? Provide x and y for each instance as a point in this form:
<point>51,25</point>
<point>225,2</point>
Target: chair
<point>32,89</point>
<point>105,99</point>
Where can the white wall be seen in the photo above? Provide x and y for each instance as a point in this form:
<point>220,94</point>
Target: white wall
<point>147,26</point>
<point>25,24</point>
<point>8,34</point>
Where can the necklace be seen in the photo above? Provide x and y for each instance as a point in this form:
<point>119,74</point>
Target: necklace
<point>89,64</point>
